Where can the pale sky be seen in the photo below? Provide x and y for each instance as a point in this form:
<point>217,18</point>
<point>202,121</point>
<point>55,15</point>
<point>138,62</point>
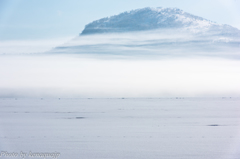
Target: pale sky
<point>44,19</point>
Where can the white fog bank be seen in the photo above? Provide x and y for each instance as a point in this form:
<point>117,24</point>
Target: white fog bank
<point>76,76</point>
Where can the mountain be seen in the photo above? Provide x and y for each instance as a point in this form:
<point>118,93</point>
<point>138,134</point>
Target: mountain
<point>156,18</point>
<point>155,31</point>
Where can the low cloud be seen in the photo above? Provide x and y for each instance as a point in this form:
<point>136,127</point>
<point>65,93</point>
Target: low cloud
<point>77,76</point>
<point>30,46</point>
<point>190,42</point>
<point>150,64</point>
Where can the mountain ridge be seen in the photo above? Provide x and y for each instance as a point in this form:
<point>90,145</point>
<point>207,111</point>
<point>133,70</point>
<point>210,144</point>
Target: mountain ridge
<point>155,18</point>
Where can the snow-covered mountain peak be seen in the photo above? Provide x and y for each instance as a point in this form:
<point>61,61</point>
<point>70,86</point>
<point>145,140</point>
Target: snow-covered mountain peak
<point>147,19</point>
<point>155,31</point>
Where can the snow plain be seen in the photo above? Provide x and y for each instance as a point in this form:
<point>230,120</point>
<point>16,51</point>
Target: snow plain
<point>169,128</point>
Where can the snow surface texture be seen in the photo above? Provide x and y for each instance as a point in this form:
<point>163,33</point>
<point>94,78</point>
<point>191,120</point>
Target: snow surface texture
<point>189,128</point>
<point>155,31</point>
